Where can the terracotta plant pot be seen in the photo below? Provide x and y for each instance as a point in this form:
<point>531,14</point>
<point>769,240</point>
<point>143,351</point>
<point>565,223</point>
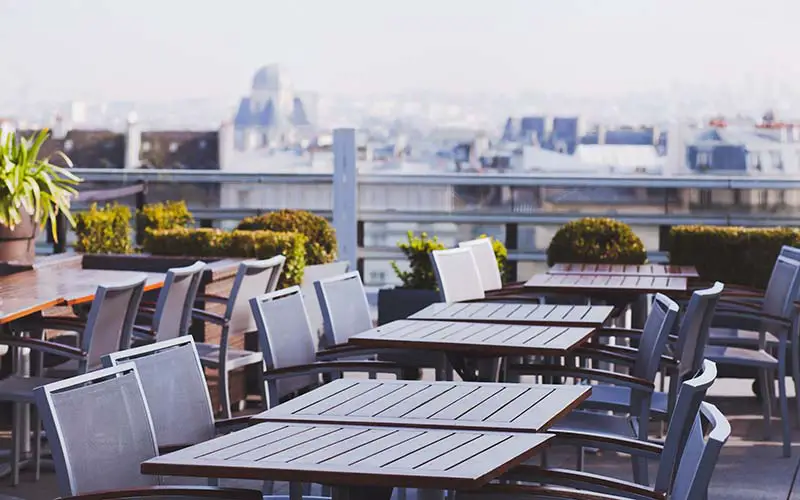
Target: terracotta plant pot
<point>18,245</point>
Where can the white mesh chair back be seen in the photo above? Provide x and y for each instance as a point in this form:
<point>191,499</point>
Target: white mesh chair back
<point>700,456</point>
<point>781,289</point>
<point>253,278</point>
<point>694,329</point>
<point>175,388</point>
<point>486,260</point>
<point>99,430</point>
<point>174,307</point>
<point>655,335</point>
<point>312,274</point>
<point>285,337</point>
<point>345,308</point>
<point>457,275</point>
<point>687,407</point>
<point>110,322</point>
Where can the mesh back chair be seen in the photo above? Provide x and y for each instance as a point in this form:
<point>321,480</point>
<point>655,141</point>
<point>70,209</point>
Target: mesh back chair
<point>172,314</point>
<point>457,275</point>
<point>312,274</point>
<point>253,278</point>
<point>107,329</point>
<point>686,460</point>
<point>100,431</point>
<point>776,317</point>
<point>486,261</point>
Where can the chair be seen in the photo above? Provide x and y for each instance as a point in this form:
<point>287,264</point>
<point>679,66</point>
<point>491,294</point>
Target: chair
<point>176,392</point>
<point>312,274</point>
<point>253,278</point>
<point>100,431</point>
<point>640,384</point>
<point>172,313</point>
<point>686,460</point>
<point>492,281</point>
<point>107,329</point>
<point>346,312</point>
<point>777,316</point>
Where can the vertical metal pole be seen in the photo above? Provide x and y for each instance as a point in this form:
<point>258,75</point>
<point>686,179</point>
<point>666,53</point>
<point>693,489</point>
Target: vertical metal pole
<point>345,194</point>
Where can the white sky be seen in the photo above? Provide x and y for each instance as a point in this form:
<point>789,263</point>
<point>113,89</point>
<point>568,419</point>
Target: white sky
<point>150,49</point>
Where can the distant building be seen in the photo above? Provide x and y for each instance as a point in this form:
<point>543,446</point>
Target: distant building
<point>274,114</point>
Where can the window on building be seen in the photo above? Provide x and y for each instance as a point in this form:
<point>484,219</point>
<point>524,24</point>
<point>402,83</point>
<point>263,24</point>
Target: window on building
<point>173,146</point>
<point>705,197</point>
<point>703,159</point>
<point>203,144</point>
<point>782,197</point>
<point>146,146</point>
<point>737,197</point>
<point>777,160</point>
<point>377,277</point>
<point>763,198</point>
<point>68,145</point>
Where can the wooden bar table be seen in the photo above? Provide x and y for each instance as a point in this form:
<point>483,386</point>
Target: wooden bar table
<point>360,462</point>
<point>447,405</point>
<point>663,270</point>
<point>605,283</point>
<point>516,314</point>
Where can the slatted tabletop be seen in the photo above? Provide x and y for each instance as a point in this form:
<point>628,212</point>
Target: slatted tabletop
<point>28,292</point>
<point>475,338</point>
<point>452,405</point>
<point>606,283</point>
<point>523,313</point>
<point>353,455</point>
<point>626,270</point>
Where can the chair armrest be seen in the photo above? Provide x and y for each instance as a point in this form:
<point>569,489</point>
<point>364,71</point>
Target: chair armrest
<point>64,323</point>
<point>614,378</point>
<point>43,346</point>
<point>210,317</point>
<point>618,332</point>
<point>206,297</point>
<point>493,491</point>
<point>610,442</point>
<point>734,303</point>
<point>144,331</point>
<point>172,491</point>
<point>753,315</point>
<point>574,479</point>
<point>344,351</point>
<point>227,424</point>
<point>333,367</point>
<point>616,353</point>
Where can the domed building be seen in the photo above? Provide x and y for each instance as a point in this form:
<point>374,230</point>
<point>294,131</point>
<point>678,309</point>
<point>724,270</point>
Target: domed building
<point>274,114</point>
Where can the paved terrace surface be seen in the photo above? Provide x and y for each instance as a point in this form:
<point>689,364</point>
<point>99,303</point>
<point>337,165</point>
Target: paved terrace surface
<point>749,468</point>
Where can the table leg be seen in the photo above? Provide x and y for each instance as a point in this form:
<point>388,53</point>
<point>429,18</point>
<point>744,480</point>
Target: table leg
<point>362,493</point>
<point>472,369</point>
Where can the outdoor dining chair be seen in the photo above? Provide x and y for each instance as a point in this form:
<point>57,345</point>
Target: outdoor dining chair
<point>253,278</point>
<point>640,383</point>
<point>686,460</point>
<point>171,315</point>
<point>100,431</point>
<point>107,329</point>
<point>492,280</point>
<point>312,274</point>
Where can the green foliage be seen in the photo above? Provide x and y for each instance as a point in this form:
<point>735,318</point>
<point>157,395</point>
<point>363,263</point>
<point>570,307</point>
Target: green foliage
<point>32,186</point>
<point>596,241</point>
<point>206,242</point>
<point>167,215</point>
<point>735,255</point>
<point>320,235</point>
<point>104,230</point>
<point>417,250</point>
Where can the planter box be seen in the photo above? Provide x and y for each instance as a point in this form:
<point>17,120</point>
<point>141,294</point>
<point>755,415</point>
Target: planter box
<point>400,303</point>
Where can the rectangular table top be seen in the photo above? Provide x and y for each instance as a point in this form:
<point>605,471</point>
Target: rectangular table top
<point>353,455</point>
<point>626,270</point>
<point>606,283</point>
<point>28,292</point>
<point>477,338</point>
<point>451,405</point>
<point>521,313</point>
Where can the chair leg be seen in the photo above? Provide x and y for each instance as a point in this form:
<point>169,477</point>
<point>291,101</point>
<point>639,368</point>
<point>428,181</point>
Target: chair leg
<point>581,462</point>
<point>37,443</point>
<point>268,487</point>
<point>796,374</point>
<point>784,405</point>
<point>224,393</point>
<point>640,472</point>
<point>766,401</point>
<point>15,443</point>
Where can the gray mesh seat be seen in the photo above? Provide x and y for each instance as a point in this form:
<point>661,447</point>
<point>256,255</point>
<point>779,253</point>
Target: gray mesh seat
<point>108,329</point>
<point>100,431</point>
<point>253,278</point>
<point>686,460</point>
<point>171,315</point>
<point>312,274</point>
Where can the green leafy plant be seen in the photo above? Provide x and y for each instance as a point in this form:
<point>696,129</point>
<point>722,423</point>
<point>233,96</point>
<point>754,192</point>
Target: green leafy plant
<point>31,186</point>
<point>320,235</point>
<point>718,253</point>
<point>205,242</point>
<point>167,215</point>
<point>104,230</point>
<point>596,241</point>
<point>417,249</point>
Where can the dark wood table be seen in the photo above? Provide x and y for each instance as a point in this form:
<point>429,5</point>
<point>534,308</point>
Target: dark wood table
<point>450,405</point>
<point>607,284</point>
<point>626,270</point>
<point>360,462</point>
<point>519,314</point>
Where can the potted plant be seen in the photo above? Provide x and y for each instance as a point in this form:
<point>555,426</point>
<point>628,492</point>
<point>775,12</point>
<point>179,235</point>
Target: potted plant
<point>33,192</point>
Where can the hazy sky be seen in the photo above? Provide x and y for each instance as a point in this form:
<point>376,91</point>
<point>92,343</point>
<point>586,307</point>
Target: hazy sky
<point>149,49</point>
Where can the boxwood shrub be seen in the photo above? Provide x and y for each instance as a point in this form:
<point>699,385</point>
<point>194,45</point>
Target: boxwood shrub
<point>596,241</point>
<point>104,230</point>
<point>320,235</point>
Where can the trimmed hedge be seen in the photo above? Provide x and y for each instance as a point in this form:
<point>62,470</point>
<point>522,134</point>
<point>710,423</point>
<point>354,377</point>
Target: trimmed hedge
<point>596,241</point>
<point>320,235</point>
<point>734,255</point>
<point>167,215</point>
<point>206,242</point>
<point>104,230</point>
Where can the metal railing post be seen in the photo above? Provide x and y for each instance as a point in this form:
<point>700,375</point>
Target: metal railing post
<point>345,194</point>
